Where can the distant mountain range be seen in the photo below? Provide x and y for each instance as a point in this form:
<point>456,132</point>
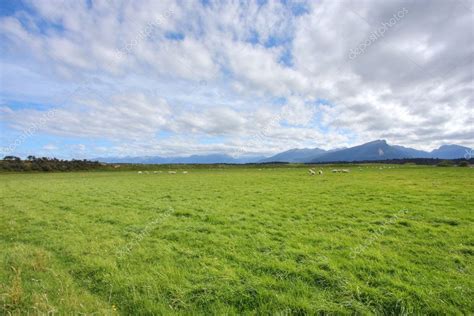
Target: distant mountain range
<point>375,150</point>
<point>194,159</point>
<point>295,155</point>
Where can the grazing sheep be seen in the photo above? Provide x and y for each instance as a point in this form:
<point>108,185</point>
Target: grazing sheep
<point>334,170</point>
<point>311,172</point>
<point>171,172</point>
<point>139,172</point>
<point>345,170</point>
<point>155,172</point>
<point>185,172</point>
<point>320,172</point>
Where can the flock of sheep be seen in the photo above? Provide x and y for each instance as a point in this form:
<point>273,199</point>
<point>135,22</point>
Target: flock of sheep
<point>311,172</point>
<point>340,170</point>
<point>156,172</point>
<point>320,172</point>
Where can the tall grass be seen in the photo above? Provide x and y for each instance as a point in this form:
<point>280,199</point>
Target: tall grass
<point>238,241</point>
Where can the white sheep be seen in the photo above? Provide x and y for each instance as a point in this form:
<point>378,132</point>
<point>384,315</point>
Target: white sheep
<point>185,172</point>
<point>311,172</point>
<point>171,172</point>
<point>139,172</point>
<point>320,172</point>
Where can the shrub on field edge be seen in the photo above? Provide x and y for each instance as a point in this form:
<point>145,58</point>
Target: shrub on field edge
<point>464,163</point>
<point>445,163</point>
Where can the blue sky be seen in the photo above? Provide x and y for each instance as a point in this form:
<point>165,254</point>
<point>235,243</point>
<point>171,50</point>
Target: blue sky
<point>82,79</point>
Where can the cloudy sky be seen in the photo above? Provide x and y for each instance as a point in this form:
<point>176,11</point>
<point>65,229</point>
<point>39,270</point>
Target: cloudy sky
<point>115,78</point>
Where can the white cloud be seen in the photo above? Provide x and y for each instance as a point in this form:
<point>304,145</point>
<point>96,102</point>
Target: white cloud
<point>233,70</point>
<point>50,147</point>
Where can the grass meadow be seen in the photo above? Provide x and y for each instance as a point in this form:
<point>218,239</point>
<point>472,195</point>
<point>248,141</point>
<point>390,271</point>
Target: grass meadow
<point>238,240</point>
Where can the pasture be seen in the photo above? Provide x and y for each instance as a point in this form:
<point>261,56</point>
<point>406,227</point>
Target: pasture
<point>238,241</point>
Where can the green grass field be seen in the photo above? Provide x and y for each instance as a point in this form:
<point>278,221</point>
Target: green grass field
<point>238,241</point>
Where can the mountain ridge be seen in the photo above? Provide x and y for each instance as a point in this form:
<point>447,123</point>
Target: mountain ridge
<point>374,150</point>
<point>295,155</point>
<point>192,159</point>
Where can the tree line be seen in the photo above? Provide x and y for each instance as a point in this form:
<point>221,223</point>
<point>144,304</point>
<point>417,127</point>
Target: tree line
<point>45,164</point>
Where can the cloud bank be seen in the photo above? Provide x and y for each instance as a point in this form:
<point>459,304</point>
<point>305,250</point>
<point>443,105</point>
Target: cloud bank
<point>176,78</point>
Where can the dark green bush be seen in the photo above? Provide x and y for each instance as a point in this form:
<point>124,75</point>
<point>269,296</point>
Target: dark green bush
<point>445,163</point>
<point>464,163</point>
